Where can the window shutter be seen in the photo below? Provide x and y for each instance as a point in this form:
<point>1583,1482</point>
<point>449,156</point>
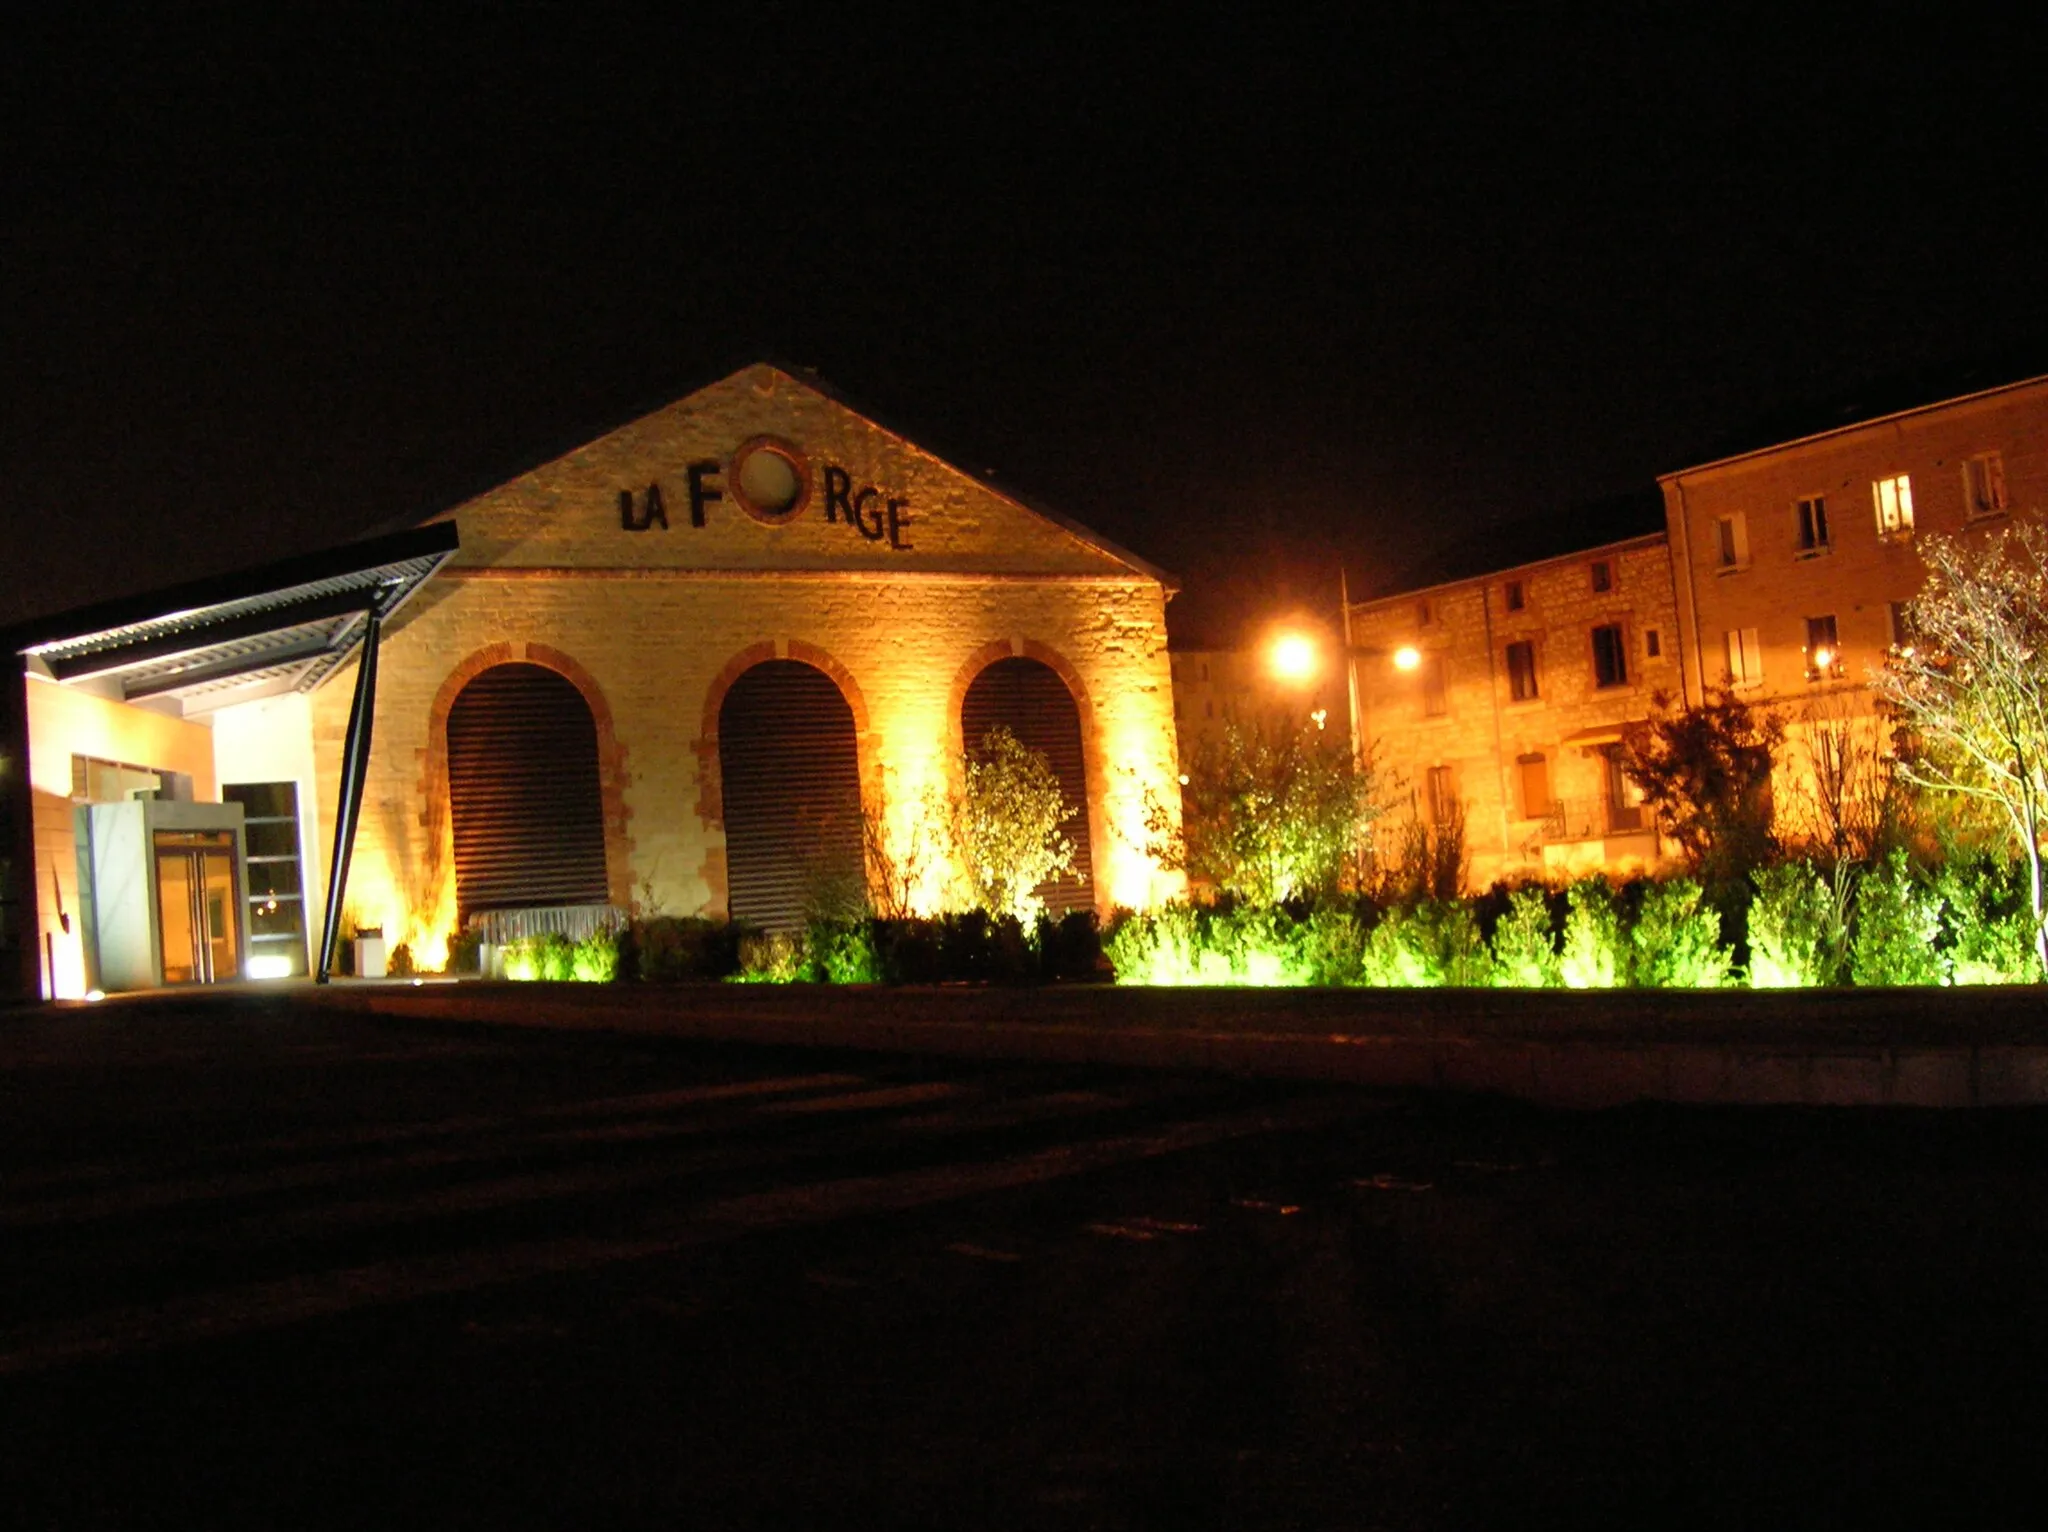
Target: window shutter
<point>524,800</point>
<point>789,773</point>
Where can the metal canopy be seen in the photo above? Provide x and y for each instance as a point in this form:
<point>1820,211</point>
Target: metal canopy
<point>258,632</point>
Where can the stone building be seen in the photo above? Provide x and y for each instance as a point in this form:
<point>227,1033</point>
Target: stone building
<point>1794,562</point>
<point>724,659</point>
<point>1503,696</point>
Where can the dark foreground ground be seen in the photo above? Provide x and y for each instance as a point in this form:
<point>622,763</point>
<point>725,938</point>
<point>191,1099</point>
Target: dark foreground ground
<point>268,1267</point>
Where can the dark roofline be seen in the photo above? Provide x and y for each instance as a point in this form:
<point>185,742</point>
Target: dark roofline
<point>1617,545</point>
<point>236,585</point>
<point>1875,400</point>
<point>808,377</point>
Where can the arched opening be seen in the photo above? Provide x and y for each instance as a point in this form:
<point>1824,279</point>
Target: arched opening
<point>789,775</point>
<point>523,792</point>
<point>1029,698</point>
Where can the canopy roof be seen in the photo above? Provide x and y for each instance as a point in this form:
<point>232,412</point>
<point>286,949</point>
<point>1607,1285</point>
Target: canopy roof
<point>232,638</point>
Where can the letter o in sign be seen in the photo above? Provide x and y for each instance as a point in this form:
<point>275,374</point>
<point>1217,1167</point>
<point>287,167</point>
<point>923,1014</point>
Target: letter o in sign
<point>770,480</point>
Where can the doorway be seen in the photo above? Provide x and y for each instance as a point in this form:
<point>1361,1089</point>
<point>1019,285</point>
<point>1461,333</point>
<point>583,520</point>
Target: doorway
<point>198,906</point>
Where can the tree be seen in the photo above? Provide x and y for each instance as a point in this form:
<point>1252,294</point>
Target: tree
<point>1706,773</point>
<point>1006,825</point>
<point>1271,812</point>
<point>1969,690</point>
<point>1848,803</point>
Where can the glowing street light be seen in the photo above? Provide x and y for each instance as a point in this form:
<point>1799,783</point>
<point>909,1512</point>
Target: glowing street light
<point>1294,657</point>
<point>1407,657</point>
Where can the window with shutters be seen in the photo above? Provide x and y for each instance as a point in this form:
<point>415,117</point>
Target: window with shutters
<point>1810,525</point>
<point>1610,656</point>
<point>1435,690</point>
<point>1984,485</point>
<point>524,797</point>
<point>789,775</point>
<point>1894,501</point>
<point>1029,698</point>
<point>1532,772</point>
<point>1442,795</point>
<point>1823,648</point>
<point>1731,543</point>
<point>1745,657</point>
<point>1522,671</point>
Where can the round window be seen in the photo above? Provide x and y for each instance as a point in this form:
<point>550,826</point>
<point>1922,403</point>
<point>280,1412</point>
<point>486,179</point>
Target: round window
<point>770,479</point>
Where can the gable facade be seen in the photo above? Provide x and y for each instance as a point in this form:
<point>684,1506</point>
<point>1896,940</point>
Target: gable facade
<point>758,521</point>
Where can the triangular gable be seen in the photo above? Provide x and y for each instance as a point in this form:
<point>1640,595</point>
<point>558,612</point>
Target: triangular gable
<point>769,469</point>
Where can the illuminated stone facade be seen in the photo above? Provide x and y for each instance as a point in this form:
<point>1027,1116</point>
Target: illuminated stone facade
<point>633,567</point>
<point>1522,683</point>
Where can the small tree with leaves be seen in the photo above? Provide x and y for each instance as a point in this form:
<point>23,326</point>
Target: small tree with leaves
<point>1706,773</point>
<point>1969,690</point>
<point>1006,826</point>
<point>1271,812</point>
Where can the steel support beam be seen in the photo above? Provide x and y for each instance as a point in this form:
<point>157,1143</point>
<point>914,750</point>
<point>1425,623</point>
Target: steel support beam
<point>355,763</point>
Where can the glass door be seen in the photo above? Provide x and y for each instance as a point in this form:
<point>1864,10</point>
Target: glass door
<point>198,911</point>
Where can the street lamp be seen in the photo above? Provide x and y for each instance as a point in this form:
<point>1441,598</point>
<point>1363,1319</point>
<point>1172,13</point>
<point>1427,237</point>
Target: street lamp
<point>1294,658</point>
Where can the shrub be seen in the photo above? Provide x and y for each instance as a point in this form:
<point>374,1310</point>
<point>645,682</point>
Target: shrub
<point>1988,922</point>
<point>1069,947</point>
<point>770,957</point>
<point>1897,923</point>
<point>1163,946</point>
<point>668,948</point>
<point>465,949</point>
<point>595,959</point>
<point>1435,943</point>
<point>1595,956</point>
<point>400,964</point>
<point>841,952</point>
<point>1524,945</point>
<point>1329,947</point>
<point>1795,929</point>
<point>1677,939</point>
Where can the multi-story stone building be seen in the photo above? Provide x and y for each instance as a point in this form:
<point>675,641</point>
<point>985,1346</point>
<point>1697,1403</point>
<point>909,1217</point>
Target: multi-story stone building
<point>1783,573</point>
<point>1794,561</point>
<point>1504,696</point>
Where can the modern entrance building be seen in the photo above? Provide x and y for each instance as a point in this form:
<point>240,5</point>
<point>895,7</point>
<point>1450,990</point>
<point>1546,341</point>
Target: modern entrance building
<point>726,659</point>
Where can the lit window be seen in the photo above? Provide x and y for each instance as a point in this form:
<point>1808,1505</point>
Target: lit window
<point>1984,485</point>
<point>1823,648</point>
<point>1610,656</point>
<point>1745,657</point>
<point>1894,497</point>
<point>1522,671</point>
<point>1731,541</point>
<point>1435,701</point>
<point>1603,575</point>
<point>1811,517</point>
<point>1514,595</point>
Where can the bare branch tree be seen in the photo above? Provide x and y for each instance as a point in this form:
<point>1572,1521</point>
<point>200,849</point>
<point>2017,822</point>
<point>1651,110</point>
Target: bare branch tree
<point>1970,689</point>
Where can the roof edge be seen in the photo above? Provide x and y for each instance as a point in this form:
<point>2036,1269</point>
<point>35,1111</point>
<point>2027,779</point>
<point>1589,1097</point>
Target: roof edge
<point>1855,425</point>
<point>1640,540</point>
<point>303,569</point>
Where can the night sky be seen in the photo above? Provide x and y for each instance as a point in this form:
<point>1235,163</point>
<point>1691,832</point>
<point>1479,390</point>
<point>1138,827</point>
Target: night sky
<point>1249,301</point>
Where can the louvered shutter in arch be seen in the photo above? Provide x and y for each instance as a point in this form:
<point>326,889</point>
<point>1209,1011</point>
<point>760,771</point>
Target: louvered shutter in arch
<point>1027,697</point>
<point>789,774</point>
<point>524,799</point>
